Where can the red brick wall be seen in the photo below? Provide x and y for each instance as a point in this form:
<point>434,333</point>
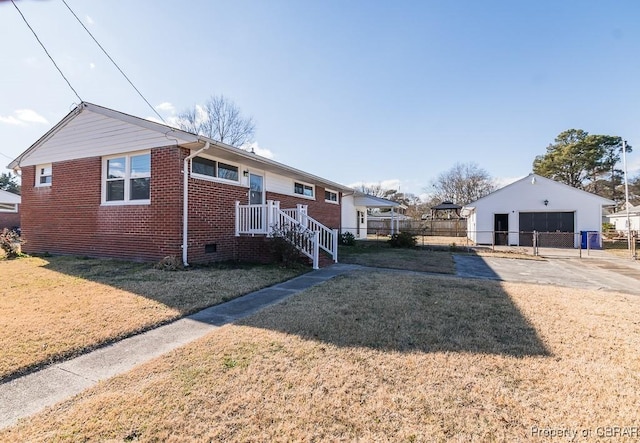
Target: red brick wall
<point>326,213</point>
<point>67,217</point>
<point>9,220</point>
<point>212,221</point>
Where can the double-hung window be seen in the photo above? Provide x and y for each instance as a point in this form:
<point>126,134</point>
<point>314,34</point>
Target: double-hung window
<point>44,175</point>
<point>303,189</point>
<point>207,168</point>
<point>127,179</point>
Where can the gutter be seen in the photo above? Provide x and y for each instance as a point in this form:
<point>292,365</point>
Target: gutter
<point>185,202</point>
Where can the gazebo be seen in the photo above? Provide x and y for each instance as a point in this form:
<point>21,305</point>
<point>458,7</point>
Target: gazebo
<point>446,210</point>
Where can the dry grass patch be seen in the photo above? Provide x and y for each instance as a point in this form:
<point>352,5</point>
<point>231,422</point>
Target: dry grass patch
<point>381,255</point>
<point>60,306</point>
<point>371,357</point>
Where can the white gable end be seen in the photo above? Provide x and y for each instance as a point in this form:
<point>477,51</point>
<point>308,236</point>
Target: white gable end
<point>91,134</point>
<point>501,210</point>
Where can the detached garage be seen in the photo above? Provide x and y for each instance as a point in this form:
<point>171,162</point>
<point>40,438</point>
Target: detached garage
<point>511,214</point>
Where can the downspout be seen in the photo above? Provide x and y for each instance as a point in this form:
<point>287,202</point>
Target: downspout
<point>185,202</point>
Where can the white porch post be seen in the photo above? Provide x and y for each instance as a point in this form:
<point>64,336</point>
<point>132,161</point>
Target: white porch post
<point>237,218</point>
<point>316,250</point>
<point>270,215</point>
<point>299,209</point>
<point>335,246</point>
<point>393,230</point>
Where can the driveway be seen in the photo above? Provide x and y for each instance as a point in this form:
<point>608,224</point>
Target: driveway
<point>609,274</point>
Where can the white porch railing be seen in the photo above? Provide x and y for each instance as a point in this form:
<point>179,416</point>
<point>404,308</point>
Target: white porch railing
<point>328,238</point>
<point>264,219</point>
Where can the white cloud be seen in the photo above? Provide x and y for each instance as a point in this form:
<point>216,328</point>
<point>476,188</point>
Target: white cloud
<point>31,61</point>
<point>262,152</point>
<point>23,116</point>
<point>30,116</point>
<point>11,120</point>
<point>89,20</point>
<point>92,66</point>
<point>166,107</point>
<point>501,182</point>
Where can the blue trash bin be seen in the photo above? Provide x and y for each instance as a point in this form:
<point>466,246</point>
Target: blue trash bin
<point>592,237</point>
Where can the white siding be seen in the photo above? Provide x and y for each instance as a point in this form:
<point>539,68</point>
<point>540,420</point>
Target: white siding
<point>91,134</point>
<point>349,217</point>
<point>279,184</point>
<point>525,196</point>
<point>620,221</point>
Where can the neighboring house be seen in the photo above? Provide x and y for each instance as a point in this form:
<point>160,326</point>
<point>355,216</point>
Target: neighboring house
<point>104,183</point>
<point>355,206</point>
<point>509,215</point>
<point>9,210</point>
<point>623,224</point>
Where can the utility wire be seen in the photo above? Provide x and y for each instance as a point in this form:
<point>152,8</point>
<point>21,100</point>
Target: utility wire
<point>114,63</point>
<point>45,50</point>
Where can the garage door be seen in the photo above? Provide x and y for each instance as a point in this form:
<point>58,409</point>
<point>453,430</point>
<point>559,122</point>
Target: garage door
<point>556,222</point>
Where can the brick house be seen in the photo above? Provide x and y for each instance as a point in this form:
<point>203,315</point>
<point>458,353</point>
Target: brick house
<point>103,183</point>
<point>9,210</point>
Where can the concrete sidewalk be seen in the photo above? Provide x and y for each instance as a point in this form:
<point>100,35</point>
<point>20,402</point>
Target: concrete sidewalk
<point>32,393</point>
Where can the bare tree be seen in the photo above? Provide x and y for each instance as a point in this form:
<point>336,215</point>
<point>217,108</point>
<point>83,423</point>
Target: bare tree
<point>462,184</point>
<point>219,119</point>
<point>377,190</point>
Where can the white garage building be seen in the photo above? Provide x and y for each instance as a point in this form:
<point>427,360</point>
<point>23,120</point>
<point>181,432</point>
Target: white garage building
<point>511,214</point>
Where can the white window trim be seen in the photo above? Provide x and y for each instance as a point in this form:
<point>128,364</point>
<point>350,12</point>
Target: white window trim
<point>127,178</point>
<point>39,175</point>
<point>9,211</point>
<point>307,197</point>
<point>217,179</point>
<point>336,201</point>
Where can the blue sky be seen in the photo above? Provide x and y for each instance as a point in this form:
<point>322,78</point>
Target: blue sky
<point>391,92</point>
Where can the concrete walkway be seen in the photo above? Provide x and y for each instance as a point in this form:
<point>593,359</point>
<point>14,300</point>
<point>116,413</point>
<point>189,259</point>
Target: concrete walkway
<point>606,273</point>
<point>32,393</point>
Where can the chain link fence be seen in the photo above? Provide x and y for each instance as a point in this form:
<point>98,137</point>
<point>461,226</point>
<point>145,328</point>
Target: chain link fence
<point>559,244</point>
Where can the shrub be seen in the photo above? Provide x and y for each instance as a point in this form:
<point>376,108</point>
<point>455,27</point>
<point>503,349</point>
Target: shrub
<point>169,263</point>
<point>403,240</point>
<point>347,239</point>
<point>283,243</point>
<point>10,242</point>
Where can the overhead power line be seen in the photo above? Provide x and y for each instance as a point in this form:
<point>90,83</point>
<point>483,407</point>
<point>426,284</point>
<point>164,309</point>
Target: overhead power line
<point>112,61</point>
<point>45,50</point>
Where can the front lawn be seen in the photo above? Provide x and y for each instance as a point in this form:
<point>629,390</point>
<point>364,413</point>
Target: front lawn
<point>381,255</point>
<point>374,356</point>
<point>60,306</point>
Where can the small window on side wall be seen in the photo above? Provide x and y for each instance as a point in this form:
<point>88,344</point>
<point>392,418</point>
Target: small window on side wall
<point>330,196</point>
<point>44,175</point>
<point>302,189</point>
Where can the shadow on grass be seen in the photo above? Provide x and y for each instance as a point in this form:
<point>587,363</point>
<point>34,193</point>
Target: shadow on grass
<point>407,313</point>
<point>80,318</point>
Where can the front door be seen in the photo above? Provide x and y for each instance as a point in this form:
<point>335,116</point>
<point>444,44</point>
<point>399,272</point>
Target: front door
<point>256,189</point>
<point>501,228</point>
<point>256,200</point>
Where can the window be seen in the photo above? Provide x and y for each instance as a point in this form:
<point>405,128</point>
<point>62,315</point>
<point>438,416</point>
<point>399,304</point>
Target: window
<point>331,196</point>
<point>302,189</point>
<point>43,175</point>
<point>127,179</point>
<point>8,207</point>
<point>212,168</point>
